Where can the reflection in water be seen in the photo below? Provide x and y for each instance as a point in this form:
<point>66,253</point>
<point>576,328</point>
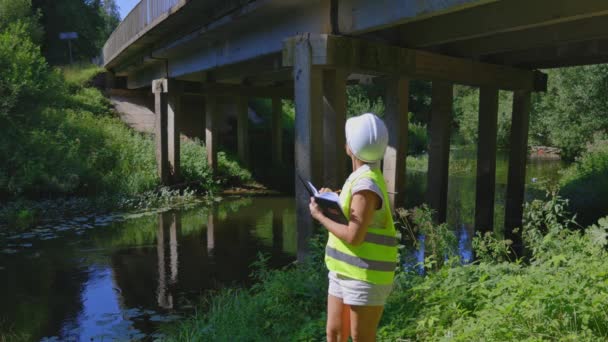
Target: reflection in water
<point>121,281</point>
<point>101,315</point>
<point>211,223</point>
<point>173,220</point>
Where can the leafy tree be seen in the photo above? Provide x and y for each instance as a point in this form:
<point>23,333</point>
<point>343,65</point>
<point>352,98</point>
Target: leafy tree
<point>574,108</point>
<point>93,20</point>
<point>12,11</point>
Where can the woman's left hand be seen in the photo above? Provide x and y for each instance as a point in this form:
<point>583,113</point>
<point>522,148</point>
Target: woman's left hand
<point>315,210</point>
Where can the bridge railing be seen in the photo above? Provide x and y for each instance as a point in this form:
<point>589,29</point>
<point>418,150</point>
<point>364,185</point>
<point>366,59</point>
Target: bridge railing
<point>139,20</point>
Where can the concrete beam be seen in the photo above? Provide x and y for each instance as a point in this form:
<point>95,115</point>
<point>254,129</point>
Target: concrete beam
<point>258,34</point>
<point>563,55</point>
<point>518,155</point>
<point>496,18</point>
<point>439,149</point>
<point>536,36</point>
<point>308,138</point>
<point>396,118</point>
<point>358,55</point>
<point>486,159</point>
<point>361,16</point>
<point>334,119</point>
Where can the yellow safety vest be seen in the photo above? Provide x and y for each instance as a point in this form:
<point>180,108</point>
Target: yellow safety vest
<point>375,259</point>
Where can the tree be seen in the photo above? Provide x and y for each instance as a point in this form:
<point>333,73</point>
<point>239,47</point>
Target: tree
<point>93,20</point>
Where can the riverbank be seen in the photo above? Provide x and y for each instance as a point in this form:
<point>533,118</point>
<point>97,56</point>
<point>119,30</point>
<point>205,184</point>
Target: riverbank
<point>79,156</point>
<point>498,298</point>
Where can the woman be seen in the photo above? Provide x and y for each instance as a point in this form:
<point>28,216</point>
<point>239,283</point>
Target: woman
<point>361,256</point>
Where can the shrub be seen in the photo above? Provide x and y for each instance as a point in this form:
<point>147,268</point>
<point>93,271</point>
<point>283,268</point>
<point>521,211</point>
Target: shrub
<point>585,183</point>
<point>26,78</point>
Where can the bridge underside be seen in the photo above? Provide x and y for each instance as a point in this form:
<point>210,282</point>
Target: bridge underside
<point>259,50</point>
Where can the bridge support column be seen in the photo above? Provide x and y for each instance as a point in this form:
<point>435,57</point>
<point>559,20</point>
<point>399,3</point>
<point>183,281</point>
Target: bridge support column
<point>439,149</point>
<point>173,135</point>
<point>334,118</point>
<point>211,137</point>
<point>396,118</point>
<point>277,131</point>
<point>308,138</point>
<point>242,129</point>
<point>167,98</point>
<point>486,159</point>
<point>518,154</point>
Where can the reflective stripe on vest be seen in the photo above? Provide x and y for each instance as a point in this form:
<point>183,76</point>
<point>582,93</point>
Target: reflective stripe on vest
<point>375,259</point>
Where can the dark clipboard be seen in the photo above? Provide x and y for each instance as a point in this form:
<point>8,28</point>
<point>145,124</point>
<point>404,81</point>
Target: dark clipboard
<point>330,208</point>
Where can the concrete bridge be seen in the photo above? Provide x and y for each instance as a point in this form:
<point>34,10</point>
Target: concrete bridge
<point>308,50</point>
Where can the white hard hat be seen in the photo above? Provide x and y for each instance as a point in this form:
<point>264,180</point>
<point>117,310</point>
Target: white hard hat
<point>367,137</point>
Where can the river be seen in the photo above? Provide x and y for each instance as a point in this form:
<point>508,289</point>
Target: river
<point>120,276</point>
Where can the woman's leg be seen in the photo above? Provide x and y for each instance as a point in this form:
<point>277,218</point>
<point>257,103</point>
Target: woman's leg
<point>338,320</point>
<point>364,322</point>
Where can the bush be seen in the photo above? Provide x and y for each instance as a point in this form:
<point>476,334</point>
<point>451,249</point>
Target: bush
<point>26,78</point>
<point>585,183</point>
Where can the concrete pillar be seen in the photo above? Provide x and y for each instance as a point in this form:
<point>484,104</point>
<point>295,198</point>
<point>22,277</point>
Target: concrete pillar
<point>277,131</point>
<point>396,119</point>
<point>518,154</point>
<point>173,132</point>
<point>159,88</point>
<point>439,149</point>
<point>486,159</point>
<point>334,117</point>
<point>308,86</point>
<point>211,137</point>
<point>167,98</point>
<point>242,129</point>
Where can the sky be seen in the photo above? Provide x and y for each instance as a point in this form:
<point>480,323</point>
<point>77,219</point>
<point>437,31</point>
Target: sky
<point>125,6</point>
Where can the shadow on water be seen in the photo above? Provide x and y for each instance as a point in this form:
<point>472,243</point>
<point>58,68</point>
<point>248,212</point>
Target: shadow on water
<point>122,281</point>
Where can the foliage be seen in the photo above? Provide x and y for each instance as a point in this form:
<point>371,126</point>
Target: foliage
<point>572,110</point>
<point>585,183</point>
<point>439,242</point>
<point>25,76</point>
<point>359,102</point>
<point>20,12</point>
<point>93,20</point>
<point>559,295</point>
<point>466,115</point>
<point>80,73</point>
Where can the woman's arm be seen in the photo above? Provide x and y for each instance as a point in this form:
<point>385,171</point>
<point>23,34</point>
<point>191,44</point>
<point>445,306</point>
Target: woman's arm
<point>362,207</point>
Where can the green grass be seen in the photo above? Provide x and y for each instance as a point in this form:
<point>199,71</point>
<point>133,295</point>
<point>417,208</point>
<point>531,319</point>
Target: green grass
<point>81,73</point>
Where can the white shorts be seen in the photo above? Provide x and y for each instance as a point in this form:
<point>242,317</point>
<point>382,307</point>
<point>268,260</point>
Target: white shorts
<point>358,292</point>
